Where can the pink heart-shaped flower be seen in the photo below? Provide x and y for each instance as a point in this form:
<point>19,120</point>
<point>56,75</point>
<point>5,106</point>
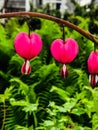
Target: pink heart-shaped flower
<point>93,63</point>
<point>28,46</point>
<point>64,51</point>
<point>93,68</point>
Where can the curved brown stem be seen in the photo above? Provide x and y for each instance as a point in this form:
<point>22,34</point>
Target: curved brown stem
<point>52,18</point>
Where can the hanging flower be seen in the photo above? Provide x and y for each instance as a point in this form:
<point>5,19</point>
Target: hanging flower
<point>64,52</point>
<point>27,47</point>
<point>93,68</point>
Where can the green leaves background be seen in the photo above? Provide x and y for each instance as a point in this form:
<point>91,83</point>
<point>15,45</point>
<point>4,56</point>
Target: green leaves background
<point>44,100</point>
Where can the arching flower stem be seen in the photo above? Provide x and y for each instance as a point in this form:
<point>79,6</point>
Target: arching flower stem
<point>52,18</point>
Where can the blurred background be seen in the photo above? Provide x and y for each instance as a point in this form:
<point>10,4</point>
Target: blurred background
<point>69,6</point>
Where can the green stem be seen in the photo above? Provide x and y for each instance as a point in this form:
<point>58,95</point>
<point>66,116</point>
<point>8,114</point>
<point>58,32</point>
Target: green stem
<point>4,115</point>
<point>35,119</point>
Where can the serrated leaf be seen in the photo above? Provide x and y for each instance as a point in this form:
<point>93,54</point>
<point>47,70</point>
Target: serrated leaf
<point>78,111</point>
<point>69,105</point>
<point>48,123</point>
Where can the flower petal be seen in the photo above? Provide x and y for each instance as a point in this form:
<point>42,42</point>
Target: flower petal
<point>93,63</point>
<point>64,52</point>
<point>28,46</point>
<point>26,68</point>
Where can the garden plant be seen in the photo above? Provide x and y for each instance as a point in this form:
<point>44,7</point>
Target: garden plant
<point>56,87</point>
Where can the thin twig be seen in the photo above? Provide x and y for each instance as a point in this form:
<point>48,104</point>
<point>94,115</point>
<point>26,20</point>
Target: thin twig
<point>52,18</point>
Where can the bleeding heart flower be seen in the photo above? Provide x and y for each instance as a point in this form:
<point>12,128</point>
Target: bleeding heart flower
<point>93,68</point>
<point>64,52</point>
<point>27,47</point>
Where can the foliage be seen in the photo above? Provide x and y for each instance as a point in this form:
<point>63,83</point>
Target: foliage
<point>44,100</point>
